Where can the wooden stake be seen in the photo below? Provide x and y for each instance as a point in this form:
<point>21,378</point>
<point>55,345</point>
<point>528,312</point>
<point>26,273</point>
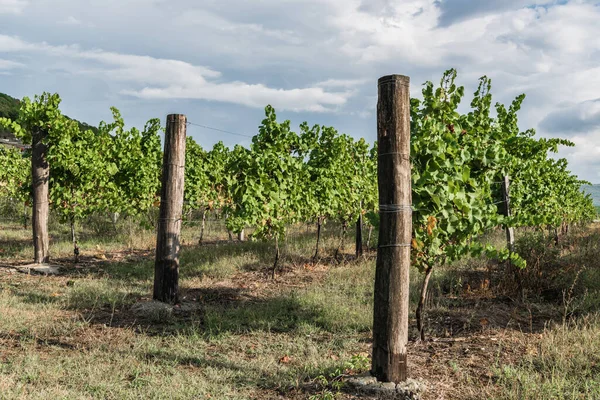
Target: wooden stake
<point>40,174</point>
<point>510,232</point>
<point>390,316</point>
<point>166,267</point>
<point>359,240</point>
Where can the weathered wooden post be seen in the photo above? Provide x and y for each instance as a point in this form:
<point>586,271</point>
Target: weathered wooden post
<point>359,240</point>
<point>390,316</point>
<point>40,174</point>
<point>359,236</point>
<point>166,267</point>
<point>510,232</point>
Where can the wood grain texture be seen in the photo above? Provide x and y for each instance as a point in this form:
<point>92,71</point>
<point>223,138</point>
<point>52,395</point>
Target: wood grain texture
<point>40,174</point>
<point>166,267</point>
<point>390,316</point>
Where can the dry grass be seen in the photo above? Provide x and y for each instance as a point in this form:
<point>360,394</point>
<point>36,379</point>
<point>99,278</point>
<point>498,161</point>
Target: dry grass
<point>240,335</point>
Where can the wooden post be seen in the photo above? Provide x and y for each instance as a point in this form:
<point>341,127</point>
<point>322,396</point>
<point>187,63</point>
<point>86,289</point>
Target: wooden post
<point>166,267</point>
<point>359,240</point>
<point>40,175</point>
<point>510,232</point>
<point>390,316</point>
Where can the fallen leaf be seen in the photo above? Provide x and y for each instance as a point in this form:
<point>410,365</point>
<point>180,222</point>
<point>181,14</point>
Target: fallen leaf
<point>285,360</point>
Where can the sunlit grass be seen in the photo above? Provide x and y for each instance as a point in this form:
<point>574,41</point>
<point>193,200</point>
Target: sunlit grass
<point>75,336</point>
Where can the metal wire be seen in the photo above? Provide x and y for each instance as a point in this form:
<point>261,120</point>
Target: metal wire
<point>218,130</point>
<point>386,154</point>
<point>394,208</point>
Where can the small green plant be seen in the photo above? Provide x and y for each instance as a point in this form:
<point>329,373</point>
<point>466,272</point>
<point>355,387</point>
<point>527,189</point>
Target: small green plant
<point>358,363</point>
<point>324,395</point>
<point>331,383</point>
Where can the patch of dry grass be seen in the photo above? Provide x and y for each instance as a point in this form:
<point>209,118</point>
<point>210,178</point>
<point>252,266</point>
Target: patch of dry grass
<point>241,335</point>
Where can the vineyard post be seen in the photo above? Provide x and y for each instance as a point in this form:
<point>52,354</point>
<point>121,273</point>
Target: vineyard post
<point>510,232</point>
<point>40,173</point>
<point>359,240</point>
<point>390,316</point>
<point>166,267</point>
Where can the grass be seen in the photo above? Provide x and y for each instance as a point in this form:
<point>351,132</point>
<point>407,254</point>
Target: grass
<point>561,365</point>
<point>240,335</point>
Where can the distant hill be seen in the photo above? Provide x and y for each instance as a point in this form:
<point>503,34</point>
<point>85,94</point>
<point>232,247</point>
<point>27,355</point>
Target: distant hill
<point>594,190</point>
<point>9,108</point>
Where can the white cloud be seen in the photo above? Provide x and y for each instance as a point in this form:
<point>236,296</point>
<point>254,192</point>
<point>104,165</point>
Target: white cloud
<point>253,95</point>
<point>175,79</point>
<point>8,64</point>
<point>311,55</point>
<point>580,117</point>
<point>210,20</point>
<point>12,6</point>
<point>584,158</point>
<point>341,83</point>
<point>71,20</point>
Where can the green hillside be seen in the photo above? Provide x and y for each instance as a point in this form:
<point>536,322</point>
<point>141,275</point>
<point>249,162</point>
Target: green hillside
<point>9,108</point>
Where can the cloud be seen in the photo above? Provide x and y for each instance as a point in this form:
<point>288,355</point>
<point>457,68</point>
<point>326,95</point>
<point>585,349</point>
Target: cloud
<point>71,20</point>
<point>584,157</point>
<point>12,6</point>
<point>211,20</point>
<point>7,64</point>
<point>581,117</point>
<point>310,56</point>
<point>252,95</point>
<point>341,83</point>
<point>175,79</point>
<point>453,11</point>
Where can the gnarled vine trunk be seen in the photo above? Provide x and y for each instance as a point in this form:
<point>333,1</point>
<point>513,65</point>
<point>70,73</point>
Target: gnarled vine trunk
<point>276,257</point>
<point>421,305</point>
<point>203,226</point>
<point>319,224</point>
<point>25,217</point>
<point>74,240</point>
<point>342,241</point>
<point>229,232</point>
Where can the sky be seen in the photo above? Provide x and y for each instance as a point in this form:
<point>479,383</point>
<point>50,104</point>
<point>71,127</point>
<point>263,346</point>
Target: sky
<point>221,62</point>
